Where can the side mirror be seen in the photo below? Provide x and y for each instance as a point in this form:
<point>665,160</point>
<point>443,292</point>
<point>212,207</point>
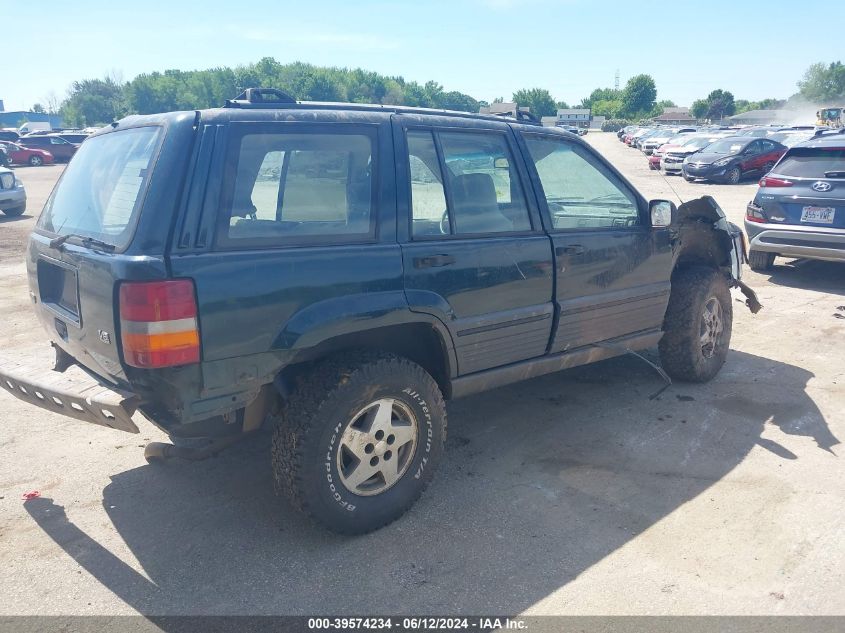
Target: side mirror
<point>662,213</point>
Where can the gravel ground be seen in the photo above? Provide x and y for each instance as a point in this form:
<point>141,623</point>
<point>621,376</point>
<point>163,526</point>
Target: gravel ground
<point>569,494</point>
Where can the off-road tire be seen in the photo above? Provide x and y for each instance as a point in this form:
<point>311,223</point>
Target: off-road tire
<point>761,261</point>
<point>681,352</point>
<point>325,401</point>
<point>15,211</point>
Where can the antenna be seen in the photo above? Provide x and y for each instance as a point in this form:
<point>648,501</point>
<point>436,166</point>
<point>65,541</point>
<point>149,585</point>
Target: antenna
<point>616,81</point>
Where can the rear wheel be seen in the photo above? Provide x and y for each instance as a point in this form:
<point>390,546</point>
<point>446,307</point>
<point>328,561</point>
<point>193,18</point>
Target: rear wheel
<point>697,327</point>
<point>733,175</point>
<point>768,167</point>
<point>761,261</point>
<point>36,161</point>
<point>15,211</point>
<point>359,441</point>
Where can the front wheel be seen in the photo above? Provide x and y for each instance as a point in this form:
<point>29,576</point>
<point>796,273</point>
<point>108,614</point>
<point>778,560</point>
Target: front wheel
<point>697,327</point>
<point>15,211</point>
<point>733,176</point>
<point>36,161</point>
<point>359,441</point>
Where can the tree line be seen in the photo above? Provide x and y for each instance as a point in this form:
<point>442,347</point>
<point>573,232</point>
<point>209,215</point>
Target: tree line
<point>98,101</point>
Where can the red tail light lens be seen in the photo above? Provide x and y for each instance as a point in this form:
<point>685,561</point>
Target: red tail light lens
<point>158,323</point>
<point>753,213</point>
<point>768,181</point>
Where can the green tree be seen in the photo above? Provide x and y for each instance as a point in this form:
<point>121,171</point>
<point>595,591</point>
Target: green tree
<point>720,103</point>
<point>699,108</point>
<point>539,100</point>
<point>94,102</point>
<point>822,84</point>
<point>639,96</point>
<point>38,108</point>
<point>600,94</point>
<point>562,105</point>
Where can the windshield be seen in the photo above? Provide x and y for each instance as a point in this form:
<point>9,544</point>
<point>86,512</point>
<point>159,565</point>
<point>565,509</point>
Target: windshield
<point>808,162</point>
<point>727,146</point>
<point>101,190</point>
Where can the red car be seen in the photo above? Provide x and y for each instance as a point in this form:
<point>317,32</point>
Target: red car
<point>19,155</point>
<point>57,146</point>
<point>657,154</point>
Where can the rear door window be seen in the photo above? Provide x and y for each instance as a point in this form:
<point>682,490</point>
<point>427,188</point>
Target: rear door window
<point>299,187</point>
<point>808,162</point>
<point>100,192</point>
<point>486,193</point>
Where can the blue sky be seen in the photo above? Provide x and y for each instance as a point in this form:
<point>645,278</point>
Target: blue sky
<point>487,48</point>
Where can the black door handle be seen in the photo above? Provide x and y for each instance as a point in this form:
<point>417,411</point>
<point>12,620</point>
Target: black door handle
<point>433,261</point>
<point>572,249</point>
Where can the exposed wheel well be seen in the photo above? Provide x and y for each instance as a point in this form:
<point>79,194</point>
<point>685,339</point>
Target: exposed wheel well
<point>418,342</point>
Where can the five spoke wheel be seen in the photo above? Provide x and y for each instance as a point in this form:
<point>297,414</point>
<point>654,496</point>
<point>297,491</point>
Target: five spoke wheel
<point>377,447</point>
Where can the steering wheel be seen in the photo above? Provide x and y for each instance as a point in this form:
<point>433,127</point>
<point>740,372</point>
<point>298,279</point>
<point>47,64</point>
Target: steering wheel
<point>444,223</point>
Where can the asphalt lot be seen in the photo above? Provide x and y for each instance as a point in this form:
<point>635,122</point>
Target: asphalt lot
<point>573,493</point>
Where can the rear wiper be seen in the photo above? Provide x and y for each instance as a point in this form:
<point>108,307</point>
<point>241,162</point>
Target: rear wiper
<point>88,242</point>
<point>840,173</point>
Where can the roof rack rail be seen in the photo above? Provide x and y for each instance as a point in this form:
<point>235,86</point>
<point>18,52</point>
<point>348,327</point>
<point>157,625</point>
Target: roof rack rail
<point>831,132</point>
<point>259,96</point>
<point>522,116</point>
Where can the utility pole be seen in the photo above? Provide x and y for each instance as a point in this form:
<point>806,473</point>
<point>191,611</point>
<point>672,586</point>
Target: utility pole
<point>616,81</point>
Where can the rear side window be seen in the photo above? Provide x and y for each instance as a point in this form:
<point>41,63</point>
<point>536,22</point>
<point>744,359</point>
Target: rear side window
<point>806,162</point>
<point>300,187</point>
<point>100,192</point>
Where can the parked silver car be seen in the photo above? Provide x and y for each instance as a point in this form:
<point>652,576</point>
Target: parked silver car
<point>12,193</point>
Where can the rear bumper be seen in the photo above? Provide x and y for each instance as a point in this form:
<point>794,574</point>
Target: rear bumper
<point>73,393</point>
<point>11,198</point>
<point>797,241</point>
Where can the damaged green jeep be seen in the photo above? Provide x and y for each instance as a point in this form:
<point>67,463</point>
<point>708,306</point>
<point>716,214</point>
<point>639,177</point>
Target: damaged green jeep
<point>339,271</point>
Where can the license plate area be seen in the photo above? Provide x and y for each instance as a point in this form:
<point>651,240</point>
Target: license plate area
<point>818,215</point>
<point>58,286</point>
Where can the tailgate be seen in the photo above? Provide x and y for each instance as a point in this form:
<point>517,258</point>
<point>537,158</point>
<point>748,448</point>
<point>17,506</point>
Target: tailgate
<point>74,290</point>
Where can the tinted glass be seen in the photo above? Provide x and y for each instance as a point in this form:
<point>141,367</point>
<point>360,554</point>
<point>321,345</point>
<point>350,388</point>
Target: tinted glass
<point>295,186</point>
<point>101,190</point>
<point>813,163</point>
<point>486,194</point>
<point>580,192</point>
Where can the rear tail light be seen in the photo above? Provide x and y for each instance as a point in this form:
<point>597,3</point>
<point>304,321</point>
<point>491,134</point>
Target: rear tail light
<point>753,213</point>
<point>158,323</point>
<point>769,181</point>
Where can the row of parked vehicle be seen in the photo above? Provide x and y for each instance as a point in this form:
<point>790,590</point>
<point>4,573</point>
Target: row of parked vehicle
<point>718,154</point>
<point>39,148</point>
<point>799,207</point>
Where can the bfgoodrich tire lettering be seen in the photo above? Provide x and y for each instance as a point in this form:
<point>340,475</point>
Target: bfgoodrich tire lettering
<point>697,326</point>
<point>328,401</point>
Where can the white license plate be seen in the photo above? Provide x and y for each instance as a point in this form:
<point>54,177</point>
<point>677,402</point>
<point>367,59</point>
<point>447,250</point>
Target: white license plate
<point>818,215</point>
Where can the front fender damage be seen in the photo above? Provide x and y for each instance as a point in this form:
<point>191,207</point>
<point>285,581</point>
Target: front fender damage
<point>702,233</point>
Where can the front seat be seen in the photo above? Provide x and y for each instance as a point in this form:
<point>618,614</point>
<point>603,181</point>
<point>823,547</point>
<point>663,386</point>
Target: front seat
<point>476,208</point>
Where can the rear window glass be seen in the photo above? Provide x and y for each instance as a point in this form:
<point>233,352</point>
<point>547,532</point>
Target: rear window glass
<point>101,190</point>
<point>813,163</point>
<point>301,187</point>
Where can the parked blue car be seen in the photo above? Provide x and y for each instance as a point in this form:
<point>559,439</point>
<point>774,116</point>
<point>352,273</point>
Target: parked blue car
<point>799,209</point>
